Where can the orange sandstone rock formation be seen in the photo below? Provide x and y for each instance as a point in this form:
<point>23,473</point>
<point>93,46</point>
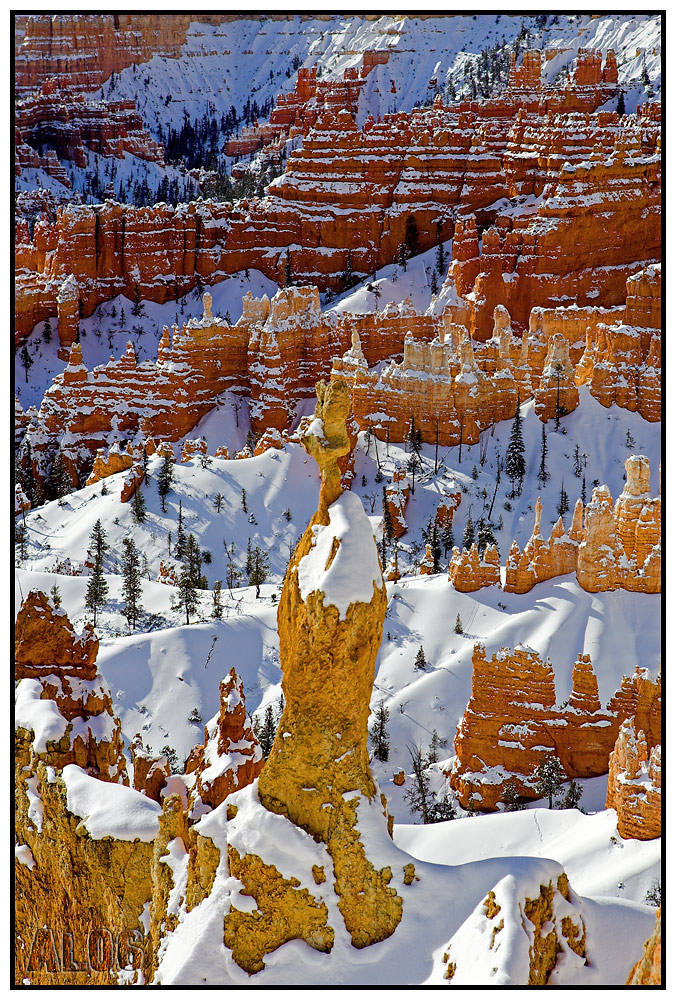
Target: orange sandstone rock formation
<point>330,621</point>
<point>511,719</point>
<point>468,571</point>
<point>231,756</point>
<point>64,709</point>
<point>635,784</point>
<point>648,969</point>
<point>543,559</point>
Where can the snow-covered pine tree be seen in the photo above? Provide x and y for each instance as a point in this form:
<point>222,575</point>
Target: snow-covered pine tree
<point>468,533</point>
<point>131,583</point>
<point>515,462</point>
<point>217,598</point>
<point>549,775</point>
<point>563,506</point>
<point>97,587</point>
<point>378,732</point>
<point>138,505</point>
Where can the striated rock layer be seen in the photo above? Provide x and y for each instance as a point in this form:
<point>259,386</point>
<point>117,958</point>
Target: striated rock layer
<point>588,190</point>
<point>512,720</point>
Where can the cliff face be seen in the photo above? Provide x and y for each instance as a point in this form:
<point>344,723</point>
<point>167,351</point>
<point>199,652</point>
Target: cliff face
<point>75,887</point>
<point>350,190</point>
<point>82,50</point>
<point>70,125</point>
<point>511,719</point>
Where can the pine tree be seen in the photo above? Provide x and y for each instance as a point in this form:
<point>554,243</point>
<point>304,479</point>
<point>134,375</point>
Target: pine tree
<point>543,474</point>
<point>510,797</point>
<point>434,287</point>
<point>515,462</point>
<point>97,588</point>
<point>484,536</point>
<point>468,533</point>
<point>378,732</point>
<point>190,579</point>
<point>164,480</point>
<point>577,462</point>
<point>244,506</point>
<point>20,538</point>
<point>549,775</point>
<point>441,256</point>
<point>56,596</point>
<point>419,796</point>
<point>563,506</point>
<point>219,500</point>
<point>402,255</point>
<point>287,270</point>
<point>260,567</point>
<point>47,331</point>
<point>348,277</point>
<point>145,466</point>
<point>59,483</point>
<point>458,625</point>
<point>447,539</point>
<point>218,600</point>
<point>621,109</point>
<point>420,661</point>
<point>436,744</point>
<point>131,583</point>
<point>435,547</point>
<point>411,236</point>
<point>138,505</point>
<point>179,548</point>
<point>388,523</point>
<point>268,731</point>
<point>571,800</point>
<point>583,490</point>
<point>26,361</point>
<point>413,465</point>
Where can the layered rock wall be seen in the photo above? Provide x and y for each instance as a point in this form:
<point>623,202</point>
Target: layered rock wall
<point>512,721</point>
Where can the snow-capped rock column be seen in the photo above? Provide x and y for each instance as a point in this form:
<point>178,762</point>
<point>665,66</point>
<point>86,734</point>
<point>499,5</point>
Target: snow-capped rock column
<point>330,622</point>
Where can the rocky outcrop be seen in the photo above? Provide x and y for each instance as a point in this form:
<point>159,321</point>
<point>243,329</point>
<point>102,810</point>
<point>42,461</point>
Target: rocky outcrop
<point>57,123</point>
<point>622,546</point>
<point>64,708</point>
<point>330,621</point>
<point>438,385</point>
<point>231,756</point>
<point>619,546</point>
<point>468,571</point>
<point>635,784</point>
<point>396,498</point>
<point>150,771</point>
<point>512,720</point>
<point>81,51</point>
<point>124,398</point>
<point>530,929</point>
<point>648,969</point>
<point>543,559</point>
<point>350,191</point>
<point>82,878</point>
